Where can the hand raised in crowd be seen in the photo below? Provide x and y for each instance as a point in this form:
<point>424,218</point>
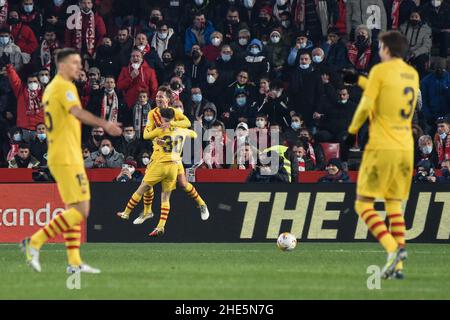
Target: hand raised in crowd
<point>134,73</point>
<point>99,161</point>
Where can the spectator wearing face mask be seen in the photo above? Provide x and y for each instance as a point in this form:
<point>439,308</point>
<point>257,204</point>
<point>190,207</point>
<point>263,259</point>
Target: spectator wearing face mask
<point>419,40</point>
<point>104,157</point>
<point>263,92</point>
<point>335,51</point>
<point>140,113</point>
<point>165,39</point>
<point>249,11</point>
<point>144,158</point>
<point>242,110</point>
<point>44,77</point>
<point>442,139</point>
<point>104,58</point>
<point>22,34</point>
<point>149,54</point>
<point>129,172</point>
<point>23,159</point>
<point>398,12</point>
<point>242,83</point>
<point>55,16</point>
<point>148,25</point>
<point>122,47</point>
<point>232,24</point>
<point>30,110</point>
<point>10,53</point>
<point>435,89</point>
<point>213,88</point>
<point>227,65</point>
<point>426,151</point>
<point>288,29</point>
<point>363,52</point>
<point>39,146</point>
<point>277,53</point>
<point>212,51</point>
<point>88,30</point>
<point>255,61</point>
<point>335,173</point>
<point>437,14</point>
<point>241,136</point>
<point>239,46</point>
<point>292,134</point>
<point>129,144</point>
<point>15,138</point>
<point>198,34</point>
<point>306,89</point>
<point>180,88</point>
<point>29,15</point>
<point>246,157</point>
<point>259,136</point>
<point>280,7</point>
<point>265,23</point>
<point>136,77</point>
<point>313,149</point>
<point>278,105</point>
<point>196,104</point>
<point>197,66</point>
<point>93,142</point>
<point>207,116</point>
<point>302,44</point>
<point>215,150</point>
<point>445,173</point>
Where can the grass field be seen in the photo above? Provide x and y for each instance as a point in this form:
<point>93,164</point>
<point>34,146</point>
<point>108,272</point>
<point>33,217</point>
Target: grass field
<point>226,271</point>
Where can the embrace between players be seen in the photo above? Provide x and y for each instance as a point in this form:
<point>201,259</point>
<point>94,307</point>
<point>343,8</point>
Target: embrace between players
<point>389,100</point>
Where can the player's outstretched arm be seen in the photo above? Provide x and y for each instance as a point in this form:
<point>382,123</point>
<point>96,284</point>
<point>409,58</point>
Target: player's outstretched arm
<point>361,114</point>
<point>151,134</point>
<point>88,118</point>
<point>180,121</point>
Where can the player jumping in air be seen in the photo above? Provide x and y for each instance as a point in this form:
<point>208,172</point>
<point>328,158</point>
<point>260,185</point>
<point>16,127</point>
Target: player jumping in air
<point>389,100</point>
<point>165,167</point>
<point>62,115</point>
<point>163,98</point>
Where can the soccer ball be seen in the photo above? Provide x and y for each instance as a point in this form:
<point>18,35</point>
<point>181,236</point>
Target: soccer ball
<point>286,241</point>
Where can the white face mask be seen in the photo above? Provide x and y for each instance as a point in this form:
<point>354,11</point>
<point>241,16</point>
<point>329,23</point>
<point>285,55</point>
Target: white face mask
<point>33,86</point>
<point>254,51</point>
<point>145,161</point>
<point>303,45</point>
<point>344,101</point>
<point>105,150</point>
<point>17,137</point>
<point>249,3</point>
<point>163,35</point>
<point>2,3</point>
<point>275,39</point>
<point>209,118</point>
<point>317,59</point>
<point>135,65</point>
<point>436,3</point>
<point>110,90</point>
<point>243,41</point>
<point>216,42</point>
<point>131,169</point>
<point>260,124</point>
<point>304,66</point>
<point>129,137</point>
<point>210,79</point>
<point>141,47</point>
<point>443,135</point>
<point>427,149</point>
<point>44,79</point>
<point>281,2</point>
<point>199,2</point>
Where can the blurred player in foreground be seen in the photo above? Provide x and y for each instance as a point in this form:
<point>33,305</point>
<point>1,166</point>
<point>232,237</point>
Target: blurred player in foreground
<point>63,114</point>
<point>163,98</point>
<point>164,168</point>
<point>389,100</point>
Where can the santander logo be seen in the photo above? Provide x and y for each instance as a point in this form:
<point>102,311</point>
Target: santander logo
<point>13,217</point>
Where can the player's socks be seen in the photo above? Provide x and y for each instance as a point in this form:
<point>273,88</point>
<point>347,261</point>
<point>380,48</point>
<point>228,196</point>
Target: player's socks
<point>165,208</point>
<point>73,238</point>
<point>396,224</point>
<point>376,225</point>
<point>148,201</point>
<point>58,225</point>
<point>192,192</point>
<point>133,202</point>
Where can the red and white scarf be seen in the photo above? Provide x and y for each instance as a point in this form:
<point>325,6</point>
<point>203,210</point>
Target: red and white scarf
<point>300,11</point>
<point>90,32</point>
<point>28,17</point>
<point>301,165</point>
<point>141,73</point>
<point>47,53</point>
<point>361,62</point>
<point>442,151</point>
<point>4,14</point>
<point>395,13</point>
<point>146,49</point>
<point>110,107</point>
<point>12,152</point>
<point>311,153</point>
<point>34,105</point>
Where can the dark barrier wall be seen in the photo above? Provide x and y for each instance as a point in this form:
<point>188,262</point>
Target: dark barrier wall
<point>259,212</point>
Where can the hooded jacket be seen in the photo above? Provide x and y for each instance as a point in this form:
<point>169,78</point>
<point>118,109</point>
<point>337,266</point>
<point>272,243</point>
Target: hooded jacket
<point>257,65</point>
<point>419,38</point>
<point>368,12</point>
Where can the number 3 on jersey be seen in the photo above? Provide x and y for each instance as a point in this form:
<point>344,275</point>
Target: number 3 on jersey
<point>409,92</point>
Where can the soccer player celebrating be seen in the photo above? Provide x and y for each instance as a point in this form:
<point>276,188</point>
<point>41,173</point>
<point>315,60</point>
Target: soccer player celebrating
<point>165,167</point>
<point>389,99</point>
<point>65,160</point>
<point>163,98</point>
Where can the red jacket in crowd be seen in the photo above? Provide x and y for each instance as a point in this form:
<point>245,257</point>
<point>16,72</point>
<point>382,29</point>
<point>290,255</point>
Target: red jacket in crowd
<point>145,81</point>
<point>30,110</point>
<point>24,38</point>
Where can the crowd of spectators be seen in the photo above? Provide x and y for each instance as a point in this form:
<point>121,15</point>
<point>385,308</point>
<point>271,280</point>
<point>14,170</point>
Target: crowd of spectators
<point>259,67</point>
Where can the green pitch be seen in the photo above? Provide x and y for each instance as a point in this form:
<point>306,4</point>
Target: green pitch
<point>226,271</point>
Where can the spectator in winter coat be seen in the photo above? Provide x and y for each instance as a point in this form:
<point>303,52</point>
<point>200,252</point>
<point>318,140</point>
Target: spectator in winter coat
<point>306,89</point>
<point>435,89</point>
<point>437,14</point>
<point>22,34</point>
<point>214,89</point>
<point>140,113</point>
<point>30,16</point>
<point>277,53</point>
<point>335,51</point>
<point>88,29</point>
<point>137,77</point>
<point>363,52</point>
<point>197,66</point>
<point>104,58</point>
<point>164,39</point>
<point>23,159</point>
<point>426,151</point>
<point>39,145</point>
<point>335,172</point>
<point>194,107</point>
<point>419,40</point>
<point>442,139</point>
<point>227,64</point>
<point>199,33</point>
<point>302,44</point>
<point>242,83</point>
<point>313,149</point>
<point>239,47</point>
<point>47,48</point>
<point>149,54</point>
<point>212,51</point>
<point>55,16</point>
<point>208,116</point>
<point>122,47</point>
<point>232,25</point>
<point>242,110</point>
<point>129,144</point>
<point>30,110</point>
<point>370,13</point>
<point>15,56</point>
<point>292,134</point>
<point>265,23</point>
<point>255,61</point>
<point>104,157</point>
<point>398,12</point>
<point>277,106</point>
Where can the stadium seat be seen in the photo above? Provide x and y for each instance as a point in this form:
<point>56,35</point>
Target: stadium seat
<point>330,150</point>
